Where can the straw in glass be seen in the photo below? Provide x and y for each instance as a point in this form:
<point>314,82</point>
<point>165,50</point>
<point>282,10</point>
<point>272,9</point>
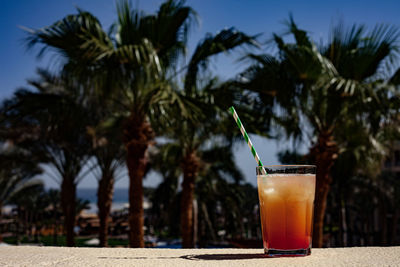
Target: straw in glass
<point>247,138</point>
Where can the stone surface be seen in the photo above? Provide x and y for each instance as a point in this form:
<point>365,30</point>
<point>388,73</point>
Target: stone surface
<point>62,256</point>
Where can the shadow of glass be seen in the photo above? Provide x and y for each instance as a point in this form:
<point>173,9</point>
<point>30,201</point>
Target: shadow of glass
<point>135,258</point>
<point>224,256</point>
<point>241,256</point>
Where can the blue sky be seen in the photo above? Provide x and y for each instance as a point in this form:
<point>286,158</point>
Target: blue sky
<point>252,17</point>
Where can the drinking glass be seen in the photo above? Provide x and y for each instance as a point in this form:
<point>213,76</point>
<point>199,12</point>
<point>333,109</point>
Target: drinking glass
<point>286,194</point>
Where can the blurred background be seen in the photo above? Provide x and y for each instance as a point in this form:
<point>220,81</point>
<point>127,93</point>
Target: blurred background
<point>115,130</point>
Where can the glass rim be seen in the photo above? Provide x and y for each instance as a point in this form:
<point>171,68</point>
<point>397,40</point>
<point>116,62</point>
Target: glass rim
<point>288,166</point>
<point>286,169</point>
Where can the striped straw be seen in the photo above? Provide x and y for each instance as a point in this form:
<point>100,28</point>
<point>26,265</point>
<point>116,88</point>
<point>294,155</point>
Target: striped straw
<point>247,138</point>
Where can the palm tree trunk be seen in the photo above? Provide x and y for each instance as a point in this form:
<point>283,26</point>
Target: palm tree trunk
<point>25,223</point>
<point>104,201</point>
<point>36,234</point>
<point>55,234</point>
<point>195,221</point>
<point>190,166</point>
<point>55,224</point>
<point>324,154</point>
<point>342,220</point>
<point>68,202</point>
<point>371,227</point>
<point>383,221</point>
<point>1,217</point>
<point>208,221</point>
<point>138,135</point>
<point>394,228</point>
<point>17,231</point>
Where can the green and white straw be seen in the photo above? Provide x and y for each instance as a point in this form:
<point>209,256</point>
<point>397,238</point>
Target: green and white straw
<point>247,138</point>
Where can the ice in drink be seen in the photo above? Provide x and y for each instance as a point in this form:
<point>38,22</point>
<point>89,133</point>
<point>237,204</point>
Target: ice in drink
<point>286,209</point>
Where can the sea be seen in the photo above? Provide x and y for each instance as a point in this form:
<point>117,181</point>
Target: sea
<point>120,198</point>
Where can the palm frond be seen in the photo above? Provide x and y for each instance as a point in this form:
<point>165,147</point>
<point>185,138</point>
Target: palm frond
<point>66,36</point>
<point>300,35</point>
<point>224,41</point>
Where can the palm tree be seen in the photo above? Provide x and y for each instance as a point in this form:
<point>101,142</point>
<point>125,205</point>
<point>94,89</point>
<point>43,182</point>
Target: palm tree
<point>217,181</point>
<point>359,158</point>
<point>109,154</point>
<point>357,174</point>
<point>54,199</point>
<point>221,196</point>
<point>52,122</point>
<point>129,66</point>
<point>165,200</point>
<point>17,168</point>
<point>192,134</point>
<point>318,92</point>
<point>32,206</point>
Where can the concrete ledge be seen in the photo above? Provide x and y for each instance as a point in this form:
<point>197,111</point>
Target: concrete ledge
<point>61,256</point>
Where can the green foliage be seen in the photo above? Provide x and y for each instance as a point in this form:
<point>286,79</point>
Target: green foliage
<point>136,70</point>
<point>45,122</point>
<point>291,157</point>
<point>333,90</point>
<point>127,64</point>
<point>17,169</point>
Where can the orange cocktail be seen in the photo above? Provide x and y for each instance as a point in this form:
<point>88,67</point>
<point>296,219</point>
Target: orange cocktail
<point>286,196</point>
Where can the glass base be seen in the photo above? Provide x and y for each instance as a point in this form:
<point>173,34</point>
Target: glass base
<point>287,253</point>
